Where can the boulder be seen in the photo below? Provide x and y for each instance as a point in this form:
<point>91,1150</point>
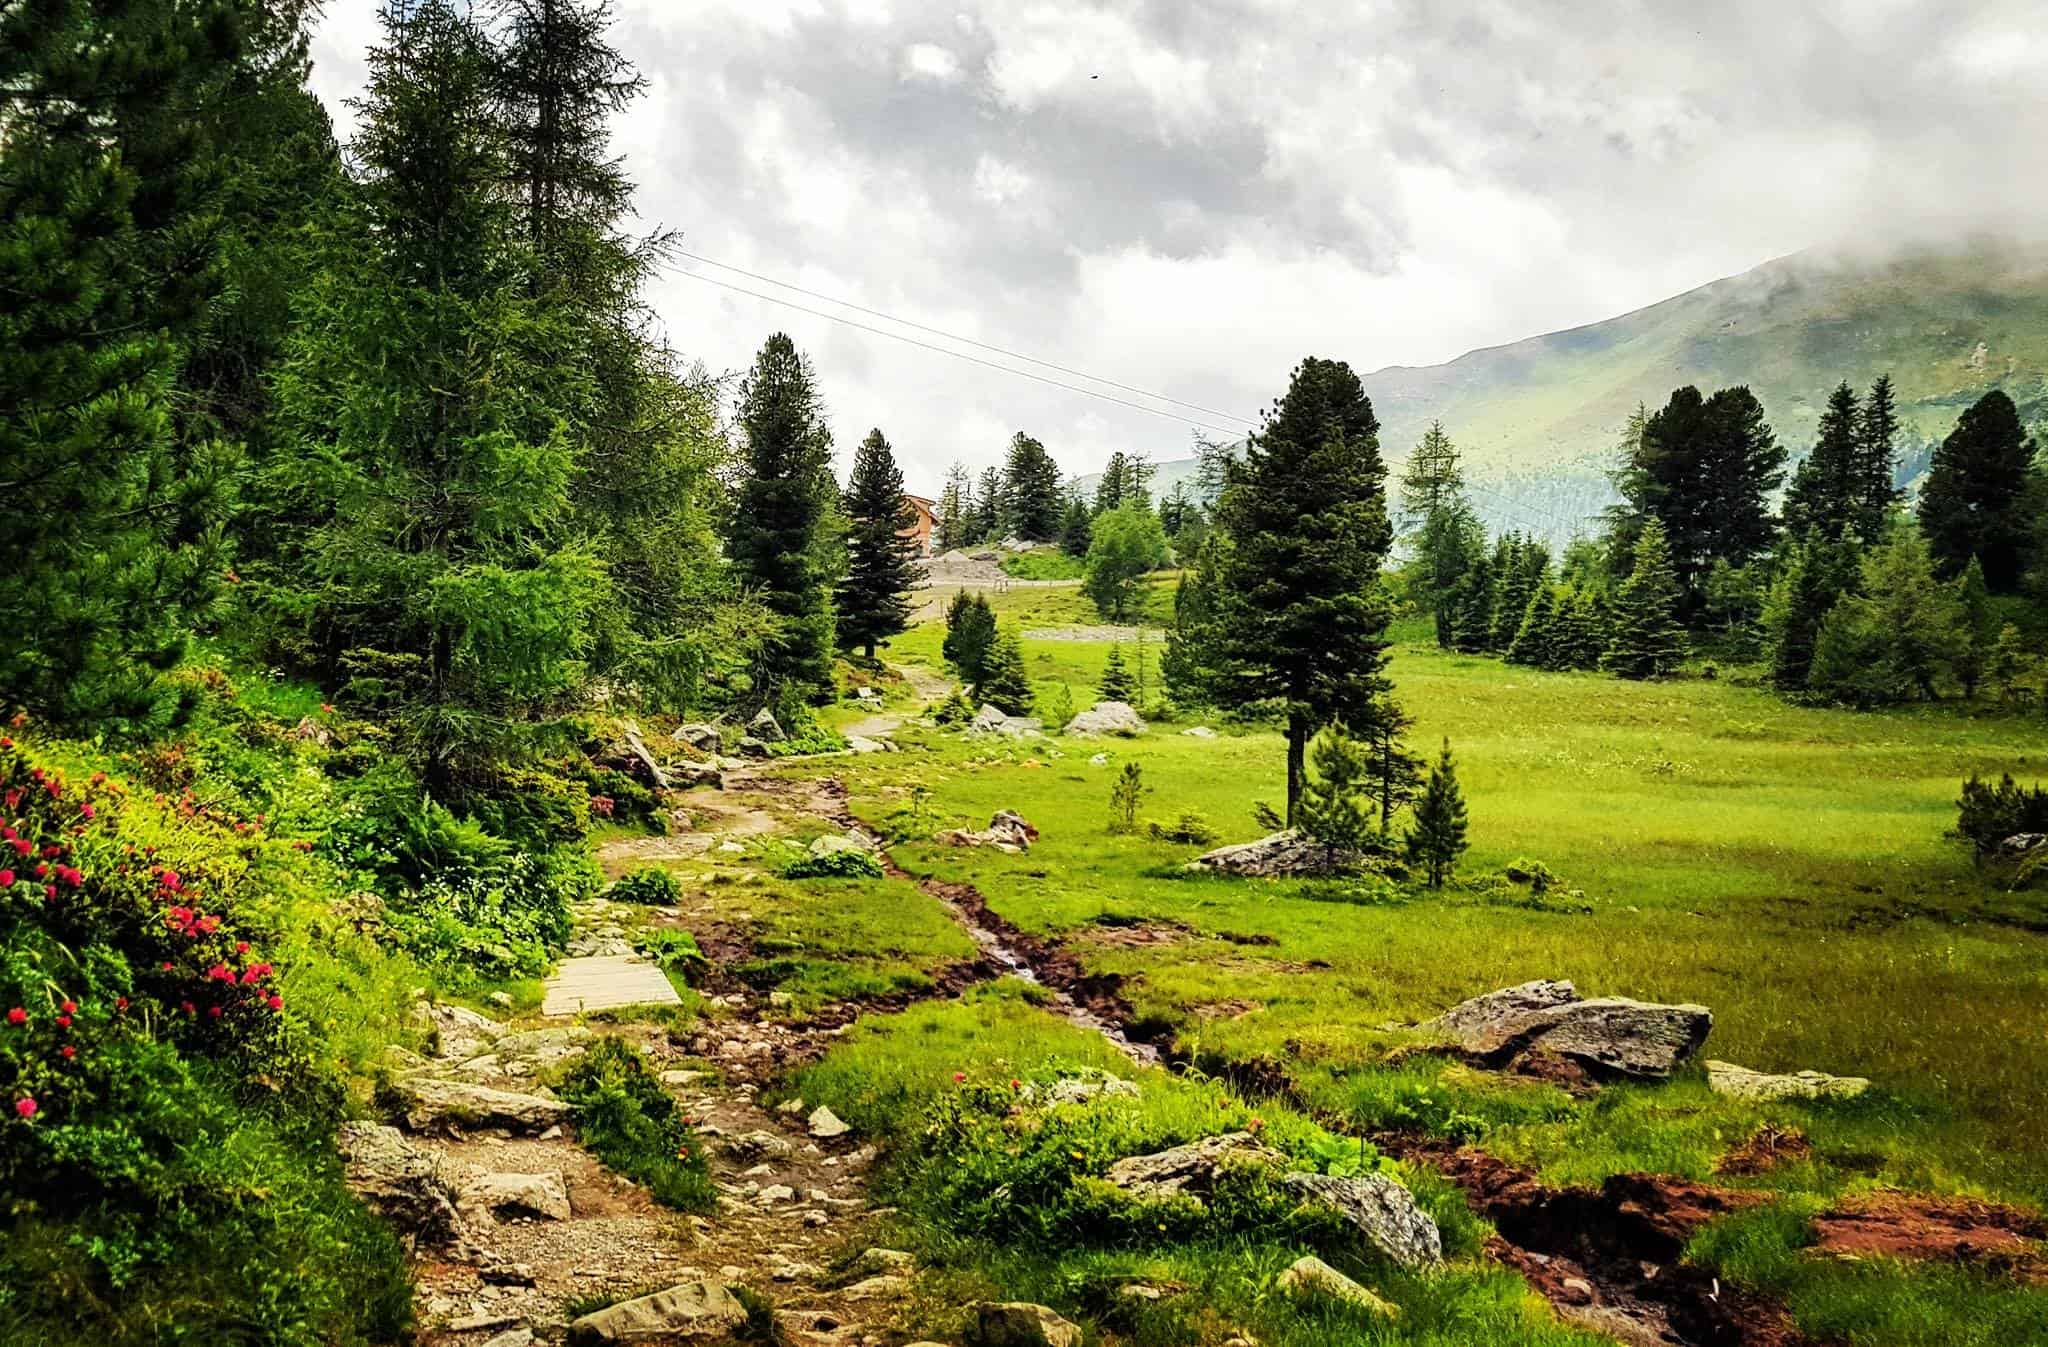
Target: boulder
<point>765,727</point>
<point>1378,1208</point>
<point>1311,1276</point>
<point>638,748</point>
<point>750,747</point>
<point>862,744</point>
<point>1018,1324</point>
<point>1190,1170</point>
<point>1739,1082</point>
<point>696,1309</point>
<point>993,720</point>
<point>428,1102</point>
<point>1006,831</point>
<point>1607,1036</point>
<point>885,1286</point>
<point>401,1180</point>
<point>1199,732</point>
<point>2020,845</point>
<point>831,844</point>
<point>685,775</point>
<point>1282,855</point>
<point>1077,1090</point>
<point>825,1125</point>
<point>882,1262</point>
<point>1108,718</point>
<point>545,1047</point>
<point>700,736</point>
<point>459,1032</point>
<point>544,1196</point>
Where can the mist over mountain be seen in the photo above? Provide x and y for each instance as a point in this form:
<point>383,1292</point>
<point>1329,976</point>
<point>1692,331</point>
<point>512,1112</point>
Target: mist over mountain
<point>1537,419</point>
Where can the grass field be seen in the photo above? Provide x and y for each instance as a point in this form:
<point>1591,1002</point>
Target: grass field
<point>1785,866</point>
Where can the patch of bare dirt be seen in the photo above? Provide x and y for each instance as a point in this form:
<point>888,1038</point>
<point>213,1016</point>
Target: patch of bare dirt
<point>1936,1229</point>
<point>1230,1009</point>
<point>1606,1258</point>
<point>1124,933</point>
<point>1765,1149</point>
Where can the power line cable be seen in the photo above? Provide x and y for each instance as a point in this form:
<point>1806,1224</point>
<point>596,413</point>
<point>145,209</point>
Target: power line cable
<point>969,341</point>
<point>957,355</point>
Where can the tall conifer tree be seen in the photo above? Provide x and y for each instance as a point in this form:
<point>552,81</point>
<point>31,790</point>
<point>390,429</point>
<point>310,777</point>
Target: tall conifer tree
<point>1827,489</point>
<point>1981,495</point>
<point>1646,638</point>
<point>882,568</point>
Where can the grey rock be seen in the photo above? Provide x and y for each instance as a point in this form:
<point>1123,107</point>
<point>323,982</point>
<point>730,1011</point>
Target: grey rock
<point>758,1145</point>
<point>506,1274</point>
<point>1278,856</point>
<point>1311,1276</point>
<point>638,748</point>
<point>887,1286</point>
<point>860,743</point>
<point>1018,1324</point>
<point>700,736</point>
<point>1108,718</point>
<point>2020,845</point>
<point>1378,1208</point>
<point>882,1262</point>
<point>1739,1082</point>
<point>696,1309</point>
<point>775,1193</point>
<point>1199,732</point>
<point>1190,1170</point>
<point>430,1102</point>
<point>402,1181</point>
<point>1079,1090</point>
<point>831,844</point>
<point>826,1125</point>
<point>1609,1036</point>
<point>459,1031</point>
<point>512,1337</point>
<point>1007,830</point>
<point>544,1196</point>
<point>765,727</point>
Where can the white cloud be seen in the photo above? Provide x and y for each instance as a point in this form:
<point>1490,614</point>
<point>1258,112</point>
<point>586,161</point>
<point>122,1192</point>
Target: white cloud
<point>928,60</point>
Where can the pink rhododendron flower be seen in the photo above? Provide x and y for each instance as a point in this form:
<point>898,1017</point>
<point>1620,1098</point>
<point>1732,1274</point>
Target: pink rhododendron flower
<point>25,1107</point>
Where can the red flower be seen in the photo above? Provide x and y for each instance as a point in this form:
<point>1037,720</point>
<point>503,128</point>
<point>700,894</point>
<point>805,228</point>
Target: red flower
<point>214,1011</point>
<point>959,1076</point>
<point>63,1021</point>
<point>70,1006</point>
<point>1016,1084</point>
<point>67,1052</point>
<point>86,810</point>
<point>6,879</point>
<point>17,1016</point>
<point>327,708</point>
<point>276,1002</point>
<point>24,847</point>
<point>167,965</point>
<point>42,869</point>
<point>120,1003</point>
<point>25,1107</point>
<point>241,947</point>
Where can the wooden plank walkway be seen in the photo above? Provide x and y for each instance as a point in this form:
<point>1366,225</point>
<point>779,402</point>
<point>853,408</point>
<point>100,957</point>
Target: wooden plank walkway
<point>606,982</point>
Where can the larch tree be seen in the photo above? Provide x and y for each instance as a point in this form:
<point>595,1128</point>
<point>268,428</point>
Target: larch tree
<point>110,528</point>
<point>1076,526</point>
<point>1440,523</point>
<point>781,508</point>
<point>882,566</point>
<point>1646,639</point>
<point>1982,494</point>
<point>1295,617</point>
<point>956,510</point>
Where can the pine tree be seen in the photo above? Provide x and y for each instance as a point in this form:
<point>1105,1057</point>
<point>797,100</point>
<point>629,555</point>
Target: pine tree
<point>1875,494</point>
<point>1110,486</point>
<point>1812,580</point>
<point>2013,663</point>
<point>1982,494</point>
<point>1584,627</point>
<point>882,567</point>
<point>1305,641</point>
<point>1523,572</point>
<point>781,508</point>
<point>1117,684</point>
<point>1441,527</point>
<point>110,545</point>
<point>1826,494</point>
<point>1646,638</point>
<point>1970,660</point>
<point>1432,482</point>
<point>1437,837</point>
<point>1536,641</point>
<point>1031,491</point>
<point>1076,527</point>
<point>1336,809</point>
<point>1183,666</point>
<point>1175,510</point>
<point>956,510</point>
<point>1705,469</point>
<point>970,633</point>
<point>1893,641</point>
<point>1472,602</point>
<point>990,510</point>
<point>1003,683</point>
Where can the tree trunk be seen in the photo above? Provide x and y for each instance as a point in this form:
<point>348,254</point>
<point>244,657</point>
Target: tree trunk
<point>1297,743</point>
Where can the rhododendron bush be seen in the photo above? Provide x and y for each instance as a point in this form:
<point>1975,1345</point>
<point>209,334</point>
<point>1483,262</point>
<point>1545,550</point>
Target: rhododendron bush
<point>158,1088</point>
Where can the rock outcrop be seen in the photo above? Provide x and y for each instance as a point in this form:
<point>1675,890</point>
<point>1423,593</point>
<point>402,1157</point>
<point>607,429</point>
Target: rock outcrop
<point>1007,831</point>
<point>994,720</point>
<point>700,736</point>
<point>1608,1036</point>
<point>1378,1208</point>
<point>428,1103</point>
<point>402,1181</point>
<point>1190,1170</point>
<point>1282,855</point>
<point>765,727</point>
<point>1739,1082</point>
<point>691,1310</point>
<point>542,1196</point>
<point>1108,718</point>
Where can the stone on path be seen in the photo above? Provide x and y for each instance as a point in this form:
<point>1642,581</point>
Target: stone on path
<point>544,1196</point>
<point>512,1337</point>
<point>1739,1082</point>
<point>402,1181</point>
<point>825,1125</point>
<point>605,983</point>
<point>696,1309</point>
<point>1019,1324</point>
<point>459,1032</point>
<point>1312,1276</point>
<point>428,1102</point>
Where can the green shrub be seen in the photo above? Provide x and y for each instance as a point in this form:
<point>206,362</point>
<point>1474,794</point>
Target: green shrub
<point>533,809</point>
<point>847,864</point>
<point>953,712</point>
<point>1987,813</point>
<point>507,919</point>
<point>1190,828</point>
<point>650,884</point>
<point>626,1119</point>
<point>672,950</point>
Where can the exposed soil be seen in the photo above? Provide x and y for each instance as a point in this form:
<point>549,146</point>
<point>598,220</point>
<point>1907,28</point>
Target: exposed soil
<point>1936,1229</point>
<point>1606,1258</point>
<point>1766,1149</point>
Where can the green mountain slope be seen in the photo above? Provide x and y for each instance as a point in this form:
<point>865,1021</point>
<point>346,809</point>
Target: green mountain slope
<point>1537,418</point>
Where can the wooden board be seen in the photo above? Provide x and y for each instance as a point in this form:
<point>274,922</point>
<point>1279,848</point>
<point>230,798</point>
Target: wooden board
<point>605,983</point>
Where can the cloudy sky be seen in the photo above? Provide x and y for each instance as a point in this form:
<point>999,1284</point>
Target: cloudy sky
<point>1186,196</point>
